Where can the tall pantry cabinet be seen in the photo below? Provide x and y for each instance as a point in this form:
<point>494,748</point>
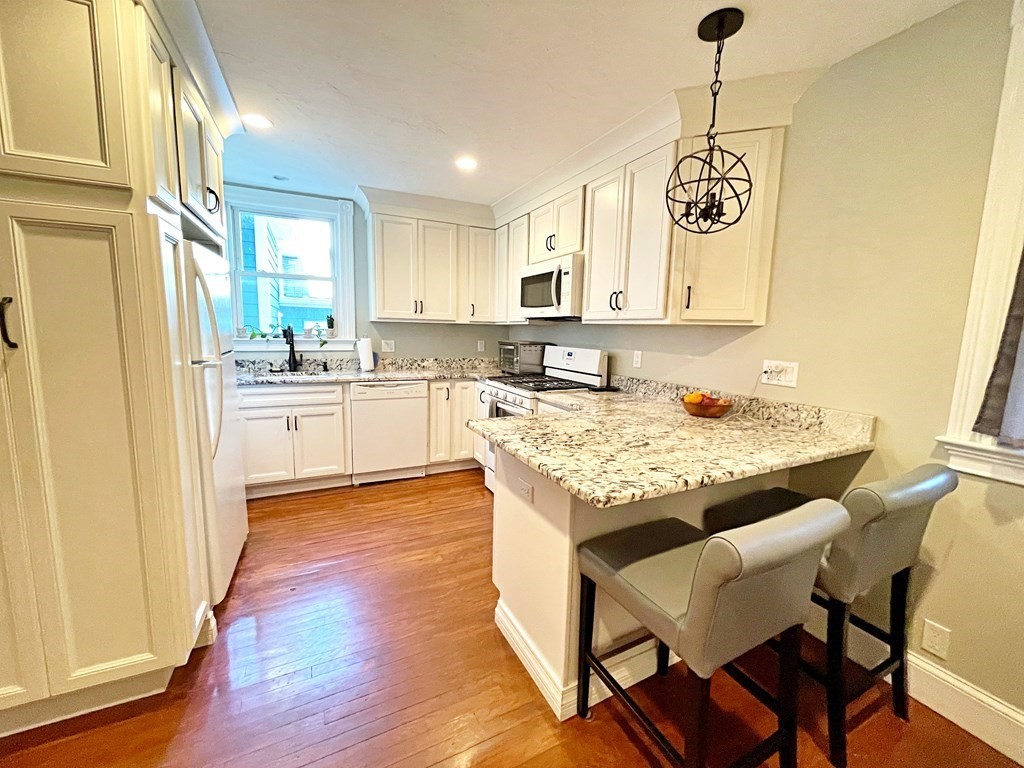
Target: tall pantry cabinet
<point>102,548</point>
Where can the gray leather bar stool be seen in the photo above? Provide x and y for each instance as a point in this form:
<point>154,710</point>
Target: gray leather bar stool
<point>711,599</point>
<point>889,518</point>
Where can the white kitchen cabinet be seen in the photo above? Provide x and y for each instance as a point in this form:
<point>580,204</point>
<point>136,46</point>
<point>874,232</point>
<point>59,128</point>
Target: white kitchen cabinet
<point>629,241</point>
<point>158,96</point>
<point>452,404</point>
<point>200,149</point>
<point>501,275</point>
<point>556,228</point>
<point>61,115</point>
<point>294,443</point>
<point>88,456</point>
<point>415,269</point>
<point>320,440</point>
<point>518,257</point>
<point>603,243</point>
<point>481,410</point>
<point>726,274</point>
<point>481,275</point>
<point>440,431</point>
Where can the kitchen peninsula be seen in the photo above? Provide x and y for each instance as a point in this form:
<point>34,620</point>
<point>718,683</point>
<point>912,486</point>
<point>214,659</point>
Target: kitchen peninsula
<point>611,461</point>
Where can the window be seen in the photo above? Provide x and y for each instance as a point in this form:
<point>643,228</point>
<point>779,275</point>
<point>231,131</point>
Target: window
<point>291,259</point>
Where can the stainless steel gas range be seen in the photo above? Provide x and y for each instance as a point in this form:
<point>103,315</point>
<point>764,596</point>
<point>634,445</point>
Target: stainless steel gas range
<point>515,394</point>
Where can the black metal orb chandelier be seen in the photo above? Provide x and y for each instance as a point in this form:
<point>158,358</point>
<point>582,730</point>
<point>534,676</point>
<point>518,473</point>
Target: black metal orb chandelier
<point>710,189</point>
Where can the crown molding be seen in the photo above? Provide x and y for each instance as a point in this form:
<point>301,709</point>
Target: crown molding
<point>425,207</point>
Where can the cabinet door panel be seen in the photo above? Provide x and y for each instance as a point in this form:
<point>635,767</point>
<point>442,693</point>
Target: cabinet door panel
<point>320,441</point>
<point>268,445</point>
<point>23,671</point>
<point>480,411</point>
<point>395,275</point>
<point>82,428</point>
<point>501,275</point>
<point>159,95</point>
<point>481,275</point>
<point>603,243</point>
<point>60,91</point>
<point>213,165</point>
<point>568,217</point>
<point>440,421</point>
<point>727,272</point>
<point>438,269</point>
<point>191,142</point>
<point>542,229</point>
<point>518,257</point>
<point>463,409</point>
<point>648,236</point>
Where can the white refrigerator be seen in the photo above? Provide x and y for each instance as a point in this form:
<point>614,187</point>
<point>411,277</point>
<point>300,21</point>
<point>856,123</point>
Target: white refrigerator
<point>218,424</point>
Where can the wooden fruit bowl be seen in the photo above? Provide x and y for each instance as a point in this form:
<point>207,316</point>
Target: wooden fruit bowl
<point>707,411</point>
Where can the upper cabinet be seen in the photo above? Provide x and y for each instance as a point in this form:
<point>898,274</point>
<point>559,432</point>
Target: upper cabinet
<point>415,269</point>
<point>200,156</point>
<point>155,70</point>
<point>726,274</point>
<point>61,116</point>
<point>628,241</point>
<point>482,269</point>
<point>518,257</point>
<point>556,228</point>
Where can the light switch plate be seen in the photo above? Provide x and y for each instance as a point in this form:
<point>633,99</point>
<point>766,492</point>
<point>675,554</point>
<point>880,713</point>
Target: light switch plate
<point>387,345</point>
<point>779,373</point>
<point>480,345</point>
<point>638,358</point>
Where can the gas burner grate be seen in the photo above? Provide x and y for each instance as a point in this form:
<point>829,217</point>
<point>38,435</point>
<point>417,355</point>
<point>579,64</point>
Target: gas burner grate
<point>537,383</point>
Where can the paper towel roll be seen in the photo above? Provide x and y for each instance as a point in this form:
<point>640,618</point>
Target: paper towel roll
<point>365,349</point>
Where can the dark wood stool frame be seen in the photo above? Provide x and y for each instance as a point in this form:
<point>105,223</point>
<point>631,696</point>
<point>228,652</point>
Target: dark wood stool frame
<point>839,620</point>
<point>698,695</point>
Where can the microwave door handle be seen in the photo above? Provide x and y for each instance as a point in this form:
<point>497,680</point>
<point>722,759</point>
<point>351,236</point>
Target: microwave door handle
<point>556,284</point>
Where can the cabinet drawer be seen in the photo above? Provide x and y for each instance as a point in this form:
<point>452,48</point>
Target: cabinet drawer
<point>289,395</point>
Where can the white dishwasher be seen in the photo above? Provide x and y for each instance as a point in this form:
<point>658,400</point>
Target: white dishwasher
<point>389,430</point>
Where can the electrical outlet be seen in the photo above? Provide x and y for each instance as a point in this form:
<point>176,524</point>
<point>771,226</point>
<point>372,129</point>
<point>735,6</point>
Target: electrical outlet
<point>638,358</point>
<point>480,345</point>
<point>935,639</point>
<point>779,373</point>
<point>387,345</point>
<point>525,490</point>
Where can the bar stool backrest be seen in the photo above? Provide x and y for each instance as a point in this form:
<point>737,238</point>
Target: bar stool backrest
<point>889,518</point>
<point>754,582</point>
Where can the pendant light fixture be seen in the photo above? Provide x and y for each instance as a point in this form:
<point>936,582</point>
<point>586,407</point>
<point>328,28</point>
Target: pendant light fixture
<point>710,189</point>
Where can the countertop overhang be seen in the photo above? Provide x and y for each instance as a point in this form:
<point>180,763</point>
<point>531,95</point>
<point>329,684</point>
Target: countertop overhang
<point>627,450</point>
<point>349,377</point>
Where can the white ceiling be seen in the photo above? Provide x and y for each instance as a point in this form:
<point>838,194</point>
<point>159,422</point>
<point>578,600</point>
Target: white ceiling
<point>386,93</point>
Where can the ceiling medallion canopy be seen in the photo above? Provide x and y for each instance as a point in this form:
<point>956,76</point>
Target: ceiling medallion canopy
<point>710,189</point>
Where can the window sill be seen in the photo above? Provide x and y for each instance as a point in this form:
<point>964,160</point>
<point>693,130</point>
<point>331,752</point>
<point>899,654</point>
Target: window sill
<point>980,455</point>
<point>302,344</point>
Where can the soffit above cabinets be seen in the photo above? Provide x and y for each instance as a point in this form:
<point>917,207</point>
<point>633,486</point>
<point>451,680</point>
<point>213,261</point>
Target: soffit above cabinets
<point>388,93</point>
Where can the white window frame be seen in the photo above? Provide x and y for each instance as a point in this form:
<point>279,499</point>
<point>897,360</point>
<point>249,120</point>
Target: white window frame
<point>273,203</point>
<point>995,269</point>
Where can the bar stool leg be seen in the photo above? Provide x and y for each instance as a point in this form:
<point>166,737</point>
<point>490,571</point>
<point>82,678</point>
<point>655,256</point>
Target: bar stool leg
<point>789,693</point>
<point>898,594</point>
<point>697,700</point>
<point>835,682</point>
<point>662,659</point>
<point>588,598</point>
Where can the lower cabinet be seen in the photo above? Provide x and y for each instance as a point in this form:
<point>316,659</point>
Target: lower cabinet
<point>481,410</point>
<point>294,443</point>
<point>452,404</point>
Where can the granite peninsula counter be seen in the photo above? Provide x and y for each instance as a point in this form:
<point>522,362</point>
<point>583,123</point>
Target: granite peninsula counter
<point>612,461</point>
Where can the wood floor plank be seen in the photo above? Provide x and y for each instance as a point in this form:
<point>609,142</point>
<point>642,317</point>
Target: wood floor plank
<point>359,631</point>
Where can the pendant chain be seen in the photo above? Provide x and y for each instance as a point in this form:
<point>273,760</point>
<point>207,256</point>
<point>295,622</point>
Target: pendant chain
<point>716,86</point>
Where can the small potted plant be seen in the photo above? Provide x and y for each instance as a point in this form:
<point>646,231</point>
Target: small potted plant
<point>332,332</point>
<point>319,333</point>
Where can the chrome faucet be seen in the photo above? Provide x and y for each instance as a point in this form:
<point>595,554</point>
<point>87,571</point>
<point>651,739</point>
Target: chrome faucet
<point>293,361</point>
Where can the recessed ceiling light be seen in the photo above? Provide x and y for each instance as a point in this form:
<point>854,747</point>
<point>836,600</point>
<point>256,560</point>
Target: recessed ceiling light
<point>279,177</point>
<point>466,163</point>
<point>259,122</point>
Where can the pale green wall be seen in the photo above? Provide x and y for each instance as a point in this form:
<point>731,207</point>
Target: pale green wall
<point>883,184</point>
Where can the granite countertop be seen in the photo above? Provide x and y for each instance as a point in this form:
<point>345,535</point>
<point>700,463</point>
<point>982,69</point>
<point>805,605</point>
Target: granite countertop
<point>620,450</point>
<point>348,377</point>
<point>583,400</point>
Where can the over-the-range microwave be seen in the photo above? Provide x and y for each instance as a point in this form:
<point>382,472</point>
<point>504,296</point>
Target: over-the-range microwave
<point>552,289</point>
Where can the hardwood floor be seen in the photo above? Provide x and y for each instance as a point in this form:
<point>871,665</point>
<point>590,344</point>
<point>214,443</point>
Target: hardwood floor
<point>360,632</point>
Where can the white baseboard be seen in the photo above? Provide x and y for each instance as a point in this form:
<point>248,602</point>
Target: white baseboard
<point>994,721</point>
<point>452,466</point>
<point>208,632</point>
<point>264,490</point>
<point>629,667</point>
